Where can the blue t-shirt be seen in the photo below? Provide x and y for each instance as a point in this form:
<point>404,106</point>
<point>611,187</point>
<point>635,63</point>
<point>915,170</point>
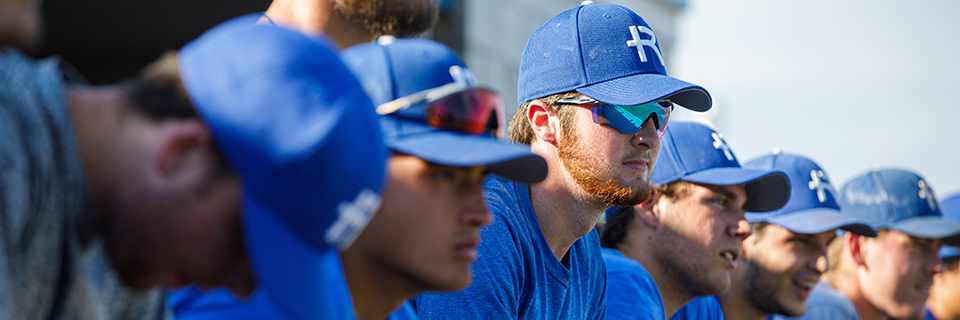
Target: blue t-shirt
<point>927,315</point>
<point>517,275</point>
<point>631,291</point>
<point>192,304</point>
<point>700,308</point>
<point>826,303</point>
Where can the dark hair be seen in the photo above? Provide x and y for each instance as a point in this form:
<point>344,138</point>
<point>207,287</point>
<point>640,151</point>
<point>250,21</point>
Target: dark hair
<point>614,231</point>
<point>158,93</point>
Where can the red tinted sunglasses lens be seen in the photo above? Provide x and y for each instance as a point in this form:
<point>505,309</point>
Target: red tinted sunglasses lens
<point>473,111</point>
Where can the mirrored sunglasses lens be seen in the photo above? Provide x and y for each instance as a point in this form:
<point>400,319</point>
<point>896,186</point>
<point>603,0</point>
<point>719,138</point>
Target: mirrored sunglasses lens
<point>630,119</point>
<point>467,111</point>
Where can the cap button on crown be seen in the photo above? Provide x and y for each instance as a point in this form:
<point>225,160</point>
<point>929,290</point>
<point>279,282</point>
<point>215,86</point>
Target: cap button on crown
<point>386,40</point>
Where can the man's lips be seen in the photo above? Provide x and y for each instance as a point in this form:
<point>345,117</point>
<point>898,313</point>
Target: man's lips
<point>803,286</point>
<point>636,164</point>
<point>924,288</point>
<point>467,249</point>
<point>730,257</point>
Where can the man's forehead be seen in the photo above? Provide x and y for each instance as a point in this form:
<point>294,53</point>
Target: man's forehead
<point>888,233</point>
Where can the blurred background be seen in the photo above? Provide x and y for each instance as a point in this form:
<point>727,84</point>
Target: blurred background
<point>852,84</point>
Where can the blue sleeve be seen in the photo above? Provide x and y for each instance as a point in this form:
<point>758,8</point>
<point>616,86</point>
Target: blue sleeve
<point>700,308</point>
<point>629,296</point>
<point>405,312</point>
<point>192,304</point>
<point>497,281</point>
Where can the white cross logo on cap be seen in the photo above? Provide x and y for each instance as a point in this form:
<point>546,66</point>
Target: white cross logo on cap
<point>352,218</point>
<point>820,182</point>
<point>927,194</point>
<point>635,32</point>
<point>463,76</point>
<point>721,144</point>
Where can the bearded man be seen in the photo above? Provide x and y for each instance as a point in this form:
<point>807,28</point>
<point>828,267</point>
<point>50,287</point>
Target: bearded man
<point>351,22</point>
<point>595,100</point>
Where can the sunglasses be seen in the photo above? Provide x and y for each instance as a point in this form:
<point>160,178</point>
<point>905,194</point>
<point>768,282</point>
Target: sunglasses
<point>453,107</point>
<point>627,119</point>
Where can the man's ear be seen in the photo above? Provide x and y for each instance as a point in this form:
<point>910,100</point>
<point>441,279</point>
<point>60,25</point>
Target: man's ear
<point>540,120</point>
<point>649,211</point>
<point>856,244</point>
<point>184,149</point>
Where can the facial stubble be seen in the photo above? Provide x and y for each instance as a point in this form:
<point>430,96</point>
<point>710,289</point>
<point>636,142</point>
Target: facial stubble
<point>600,183</point>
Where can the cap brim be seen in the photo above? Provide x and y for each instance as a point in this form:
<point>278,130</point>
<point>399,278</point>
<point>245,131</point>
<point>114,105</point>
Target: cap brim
<point>643,88</point>
<point>816,220</point>
<point>767,190</point>
<point>508,160</point>
<point>297,276</point>
<point>929,227</point>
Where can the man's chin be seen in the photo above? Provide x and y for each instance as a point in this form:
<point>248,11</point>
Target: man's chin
<point>398,18</point>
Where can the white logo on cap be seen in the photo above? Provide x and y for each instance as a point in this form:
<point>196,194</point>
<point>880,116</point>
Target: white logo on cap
<point>721,144</point>
<point>640,43</point>
<point>352,218</point>
<point>820,182</point>
<point>463,76</point>
<point>927,194</point>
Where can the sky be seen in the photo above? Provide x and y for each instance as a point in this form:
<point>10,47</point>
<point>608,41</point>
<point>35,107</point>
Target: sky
<point>851,84</point>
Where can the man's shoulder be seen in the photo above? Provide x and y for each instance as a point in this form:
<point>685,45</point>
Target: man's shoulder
<point>826,302</point>
<point>824,294</point>
<point>700,308</point>
<point>504,197</point>
<point>617,263</point>
<point>629,288</point>
<point>510,206</point>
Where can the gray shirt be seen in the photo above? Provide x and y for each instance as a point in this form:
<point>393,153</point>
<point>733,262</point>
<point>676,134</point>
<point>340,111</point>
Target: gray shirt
<point>826,303</point>
<point>52,262</point>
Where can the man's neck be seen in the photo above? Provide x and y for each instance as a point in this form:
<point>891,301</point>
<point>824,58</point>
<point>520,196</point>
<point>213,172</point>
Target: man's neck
<point>672,293</point>
<point>563,217</point>
<point>736,305</point>
<point>846,282</point>
<point>318,16</point>
<point>376,292</point>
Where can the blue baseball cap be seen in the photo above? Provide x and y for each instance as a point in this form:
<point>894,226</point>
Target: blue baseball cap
<point>391,68</point>
<point>606,52</point>
<point>898,200</point>
<point>951,211</point>
<point>813,206</point>
<point>295,125</point>
<point>696,153</point>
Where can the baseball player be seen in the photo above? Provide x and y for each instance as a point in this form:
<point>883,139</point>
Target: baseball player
<point>888,276</point>
<point>351,22</point>
<point>685,240</point>
<point>786,254</point>
<point>204,170</point>
<point>442,129</point>
<point>595,100</point>
<point>943,303</point>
